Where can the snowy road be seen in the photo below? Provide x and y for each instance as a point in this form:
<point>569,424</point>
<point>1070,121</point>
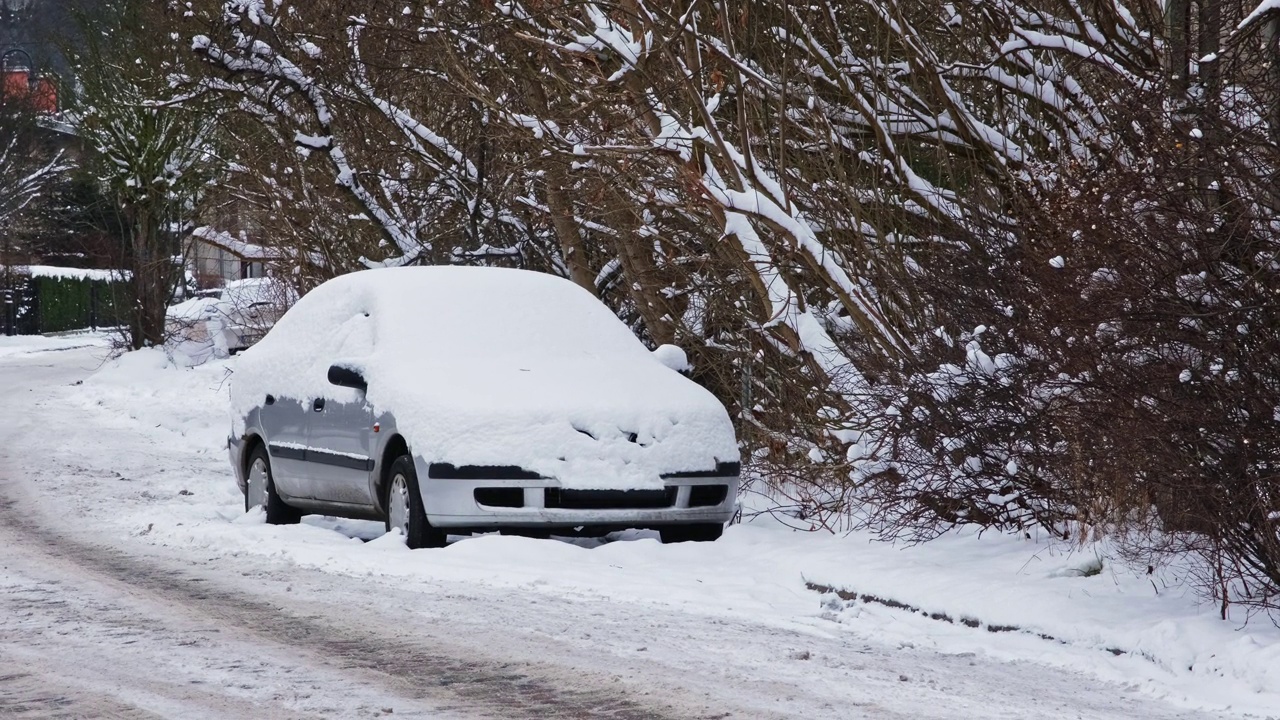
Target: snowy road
<point>91,631</point>
<point>99,618</point>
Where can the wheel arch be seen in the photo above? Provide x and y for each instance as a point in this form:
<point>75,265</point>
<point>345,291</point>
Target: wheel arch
<point>394,448</point>
<point>252,442</point>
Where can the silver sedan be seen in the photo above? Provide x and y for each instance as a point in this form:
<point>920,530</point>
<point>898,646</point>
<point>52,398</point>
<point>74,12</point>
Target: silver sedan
<point>535,412</point>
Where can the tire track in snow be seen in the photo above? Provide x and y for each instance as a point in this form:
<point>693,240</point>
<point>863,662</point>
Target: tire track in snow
<point>455,687</point>
<point>25,696</point>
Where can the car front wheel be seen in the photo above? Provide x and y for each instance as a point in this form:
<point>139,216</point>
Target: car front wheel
<point>260,491</point>
<point>701,532</point>
<point>405,510</point>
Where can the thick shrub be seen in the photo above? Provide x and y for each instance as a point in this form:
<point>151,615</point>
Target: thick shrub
<point>57,304</point>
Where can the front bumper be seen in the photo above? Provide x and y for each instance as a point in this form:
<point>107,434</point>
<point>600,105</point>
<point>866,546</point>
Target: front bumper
<point>452,503</point>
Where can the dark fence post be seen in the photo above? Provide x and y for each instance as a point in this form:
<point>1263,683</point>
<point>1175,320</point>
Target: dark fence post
<point>36,297</point>
<point>93,305</point>
<point>10,318</point>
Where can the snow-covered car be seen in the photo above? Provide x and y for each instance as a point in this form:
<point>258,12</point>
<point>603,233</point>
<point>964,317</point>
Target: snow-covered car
<point>229,319</point>
<point>453,400</point>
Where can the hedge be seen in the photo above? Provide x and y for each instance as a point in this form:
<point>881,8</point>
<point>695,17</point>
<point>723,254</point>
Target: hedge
<point>46,304</point>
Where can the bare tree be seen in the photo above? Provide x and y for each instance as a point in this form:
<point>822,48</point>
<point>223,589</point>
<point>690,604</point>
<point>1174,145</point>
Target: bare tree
<point>28,165</point>
<point>151,157</point>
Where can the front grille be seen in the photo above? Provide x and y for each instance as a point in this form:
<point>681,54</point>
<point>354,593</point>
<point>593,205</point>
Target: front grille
<point>447,471</point>
<point>560,499</point>
<point>500,497</point>
<point>707,495</point>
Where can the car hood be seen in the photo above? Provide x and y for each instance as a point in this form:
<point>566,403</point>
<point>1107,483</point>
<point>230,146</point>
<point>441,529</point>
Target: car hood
<point>589,422</point>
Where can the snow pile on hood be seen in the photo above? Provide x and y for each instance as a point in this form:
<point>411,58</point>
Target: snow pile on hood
<point>489,366</point>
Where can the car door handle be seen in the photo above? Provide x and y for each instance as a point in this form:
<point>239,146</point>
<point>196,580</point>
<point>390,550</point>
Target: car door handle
<point>318,405</point>
<point>271,399</point>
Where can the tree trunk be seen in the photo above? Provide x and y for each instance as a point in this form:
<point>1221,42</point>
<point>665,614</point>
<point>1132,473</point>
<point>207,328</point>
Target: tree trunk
<point>1271,31</point>
<point>153,279</point>
<point>1178,62</point>
<point>566,227</point>
<point>1210,44</point>
<point>641,274</point>
<point>556,180</point>
<point>1211,85</point>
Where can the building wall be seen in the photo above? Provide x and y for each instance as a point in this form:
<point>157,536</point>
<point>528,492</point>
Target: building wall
<point>214,266</point>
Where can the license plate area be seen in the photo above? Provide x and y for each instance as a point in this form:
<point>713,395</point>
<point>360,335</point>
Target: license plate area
<point>561,499</point>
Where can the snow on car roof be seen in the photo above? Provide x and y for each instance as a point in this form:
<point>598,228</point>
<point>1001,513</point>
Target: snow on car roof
<point>235,294</point>
<point>253,290</point>
<point>491,366</point>
<point>192,308</point>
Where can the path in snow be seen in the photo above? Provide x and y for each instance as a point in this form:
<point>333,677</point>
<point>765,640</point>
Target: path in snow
<point>94,622</point>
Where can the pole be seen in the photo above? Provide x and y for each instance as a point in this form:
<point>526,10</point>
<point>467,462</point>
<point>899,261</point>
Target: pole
<point>10,317</point>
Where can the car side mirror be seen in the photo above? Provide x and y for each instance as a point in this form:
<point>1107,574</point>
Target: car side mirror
<point>344,376</point>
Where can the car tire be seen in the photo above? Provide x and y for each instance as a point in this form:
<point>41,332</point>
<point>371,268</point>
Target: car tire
<point>701,532</point>
<point>405,509</point>
<point>260,490</point>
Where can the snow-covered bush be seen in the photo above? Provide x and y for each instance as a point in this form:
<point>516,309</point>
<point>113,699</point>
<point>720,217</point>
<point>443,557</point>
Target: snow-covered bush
<point>1115,368</point>
<point>937,257</point>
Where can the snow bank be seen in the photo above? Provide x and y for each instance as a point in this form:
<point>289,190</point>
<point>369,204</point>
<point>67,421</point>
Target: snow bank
<point>194,308</point>
<point>165,392</point>
<point>1123,618</point>
<point>487,366</point>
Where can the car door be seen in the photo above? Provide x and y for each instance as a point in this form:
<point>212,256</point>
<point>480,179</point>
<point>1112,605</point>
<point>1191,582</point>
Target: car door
<point>339,442</point>
<point>284,422</point>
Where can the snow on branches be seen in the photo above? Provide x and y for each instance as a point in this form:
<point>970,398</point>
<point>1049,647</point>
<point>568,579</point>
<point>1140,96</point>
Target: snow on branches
<point>870,223</point>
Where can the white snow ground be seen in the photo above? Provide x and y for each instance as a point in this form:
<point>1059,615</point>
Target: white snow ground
<point>133,585</point>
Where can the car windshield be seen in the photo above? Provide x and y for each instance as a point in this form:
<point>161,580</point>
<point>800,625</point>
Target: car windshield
<point>494,315</point>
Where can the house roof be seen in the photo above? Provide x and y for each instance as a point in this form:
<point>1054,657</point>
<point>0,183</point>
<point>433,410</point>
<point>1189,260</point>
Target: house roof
<point>235,245</point>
